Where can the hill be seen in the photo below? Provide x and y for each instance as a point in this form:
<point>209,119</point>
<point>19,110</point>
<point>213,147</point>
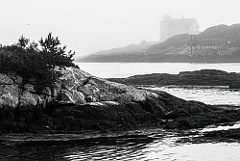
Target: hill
<point>116,54</point>
<point>217,44</point>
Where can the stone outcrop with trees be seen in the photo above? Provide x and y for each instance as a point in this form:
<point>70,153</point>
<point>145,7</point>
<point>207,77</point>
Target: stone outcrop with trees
<point>35,62</point>
<point>42,91</point>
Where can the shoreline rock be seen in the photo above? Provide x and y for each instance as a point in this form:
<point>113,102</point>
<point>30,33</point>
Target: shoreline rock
<point>204,77</point>
<point>79,101</point>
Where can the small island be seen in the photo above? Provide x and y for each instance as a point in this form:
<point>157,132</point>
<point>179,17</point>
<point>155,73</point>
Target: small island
<point>204,77</point>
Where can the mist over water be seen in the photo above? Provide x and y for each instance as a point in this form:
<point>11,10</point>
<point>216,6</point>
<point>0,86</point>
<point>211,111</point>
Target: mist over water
<point>121,70</point>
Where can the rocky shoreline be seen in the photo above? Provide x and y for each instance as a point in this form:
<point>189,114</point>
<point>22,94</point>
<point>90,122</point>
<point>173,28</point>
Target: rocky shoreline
<point>205,77</point>
<point>80,102</point>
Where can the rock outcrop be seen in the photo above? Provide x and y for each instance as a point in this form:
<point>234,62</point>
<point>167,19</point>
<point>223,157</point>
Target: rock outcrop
<point>80,101</point>
<point>205,77</point>
<point>73,87</point>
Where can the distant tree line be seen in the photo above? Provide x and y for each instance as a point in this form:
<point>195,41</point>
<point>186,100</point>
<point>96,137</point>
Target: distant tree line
<point>36,61</point>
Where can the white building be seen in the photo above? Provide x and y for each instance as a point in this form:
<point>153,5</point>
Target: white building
<point>171,27</point>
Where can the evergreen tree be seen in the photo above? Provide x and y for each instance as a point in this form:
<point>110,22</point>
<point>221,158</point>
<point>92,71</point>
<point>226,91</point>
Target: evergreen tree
<point>29,61</point>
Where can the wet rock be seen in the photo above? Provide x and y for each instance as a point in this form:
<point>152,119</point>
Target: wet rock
<point>235,85</point>
<point>230,135</point>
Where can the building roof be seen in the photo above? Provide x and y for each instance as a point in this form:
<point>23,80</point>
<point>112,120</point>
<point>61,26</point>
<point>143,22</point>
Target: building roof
<point>183,23</point>
<point>166,17</point>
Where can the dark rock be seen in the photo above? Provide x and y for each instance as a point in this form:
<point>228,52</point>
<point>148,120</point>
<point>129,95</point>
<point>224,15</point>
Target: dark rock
<point>205,77</point>
<point>235,85</point>
<point>221,135</point>
<point>102,105</point>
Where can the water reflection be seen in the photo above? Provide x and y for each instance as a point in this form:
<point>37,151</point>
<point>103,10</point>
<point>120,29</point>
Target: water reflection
<point>199,152</point>
<point>217,128</point>
<point>120,148</point>
<point>153,145</point>
<point>117,149</point>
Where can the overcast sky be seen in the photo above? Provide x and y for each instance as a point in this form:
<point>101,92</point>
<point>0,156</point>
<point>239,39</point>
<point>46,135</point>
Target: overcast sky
<point>87,26</point>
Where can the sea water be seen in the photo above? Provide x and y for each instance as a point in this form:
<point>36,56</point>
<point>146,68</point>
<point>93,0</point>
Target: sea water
<point>121,70</point>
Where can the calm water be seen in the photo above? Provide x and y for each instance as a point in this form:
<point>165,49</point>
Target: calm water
<point>208,95</point>
<point>151,144</point>
<point>154,145</point>
<point>118,70</point>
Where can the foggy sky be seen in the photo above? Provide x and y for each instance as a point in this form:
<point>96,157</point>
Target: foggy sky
<point>87,26</point>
